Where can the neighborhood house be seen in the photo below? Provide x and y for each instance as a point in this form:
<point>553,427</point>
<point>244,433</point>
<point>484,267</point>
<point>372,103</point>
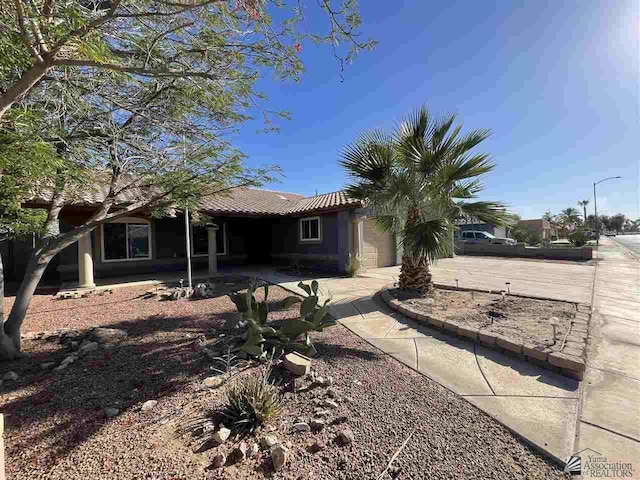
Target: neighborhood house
<point>247,226</point>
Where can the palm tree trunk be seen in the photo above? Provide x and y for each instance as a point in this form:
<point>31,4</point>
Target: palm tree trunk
<point>414,272</point>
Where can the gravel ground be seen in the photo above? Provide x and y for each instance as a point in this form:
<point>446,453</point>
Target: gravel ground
<point>525,319</point>
<point>56,427</point>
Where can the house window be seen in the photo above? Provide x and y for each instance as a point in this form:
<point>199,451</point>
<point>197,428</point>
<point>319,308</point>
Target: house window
<point>126,240</point>
<point>200,240</point>
<point>310,229</point>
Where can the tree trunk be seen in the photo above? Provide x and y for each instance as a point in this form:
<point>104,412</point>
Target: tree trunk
<point>7,348</point>
<point>22,86</point>
<point>414,272</point>
<point>11,349</point>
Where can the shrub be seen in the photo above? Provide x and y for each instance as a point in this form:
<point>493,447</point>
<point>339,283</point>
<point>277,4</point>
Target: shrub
<point>353,266</point>
<point>534,238</point>
<point>519,234</point>
<point>578,238</point>
<point>262,340</point>
<point>251,402</point>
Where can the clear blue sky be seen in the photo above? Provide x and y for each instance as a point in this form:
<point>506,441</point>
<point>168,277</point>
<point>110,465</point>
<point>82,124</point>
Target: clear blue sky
<point>556,81</point>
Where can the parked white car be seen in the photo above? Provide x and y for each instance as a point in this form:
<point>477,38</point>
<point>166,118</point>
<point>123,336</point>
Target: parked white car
<point>477,236</point>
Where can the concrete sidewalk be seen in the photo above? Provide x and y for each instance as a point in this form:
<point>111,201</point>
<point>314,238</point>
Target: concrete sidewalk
<point>610,416</point>
<point>537,404</point>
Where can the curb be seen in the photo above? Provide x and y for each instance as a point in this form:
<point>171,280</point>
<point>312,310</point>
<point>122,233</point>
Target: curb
<point>569,361</point>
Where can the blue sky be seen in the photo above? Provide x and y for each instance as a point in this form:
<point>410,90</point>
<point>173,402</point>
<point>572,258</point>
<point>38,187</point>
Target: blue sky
<point>557,82</point>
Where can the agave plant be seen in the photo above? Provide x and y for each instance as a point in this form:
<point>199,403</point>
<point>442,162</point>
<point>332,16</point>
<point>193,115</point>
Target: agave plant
<point>262,339</point>
<point>417,181</point>
<point>251,402</point>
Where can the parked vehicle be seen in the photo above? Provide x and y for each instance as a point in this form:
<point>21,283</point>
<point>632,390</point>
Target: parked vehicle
<point>476,236</point>
<point>609,233</point>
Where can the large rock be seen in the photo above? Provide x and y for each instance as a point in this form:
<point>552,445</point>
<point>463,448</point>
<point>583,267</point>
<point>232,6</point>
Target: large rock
<point>108,335</point>
<point>279,455</point>
<point>297,363</point>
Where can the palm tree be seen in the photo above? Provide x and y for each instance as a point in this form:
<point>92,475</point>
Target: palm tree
<point>569,216</point>
<point>583,204</point>
<point>417,181</point>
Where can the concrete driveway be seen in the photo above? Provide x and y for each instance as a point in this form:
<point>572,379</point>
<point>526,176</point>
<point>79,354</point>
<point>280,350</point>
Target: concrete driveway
<point>538,405</point>
<point>562,280</point>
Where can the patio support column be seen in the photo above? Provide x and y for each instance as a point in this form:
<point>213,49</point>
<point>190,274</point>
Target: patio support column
<point>213,249</point>
<point>85,262</point>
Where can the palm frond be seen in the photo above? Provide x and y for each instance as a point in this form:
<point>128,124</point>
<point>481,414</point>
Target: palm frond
<point>466,189</point>
<point>489,212</point>
<point>430,238</point>
<point>369,158</point>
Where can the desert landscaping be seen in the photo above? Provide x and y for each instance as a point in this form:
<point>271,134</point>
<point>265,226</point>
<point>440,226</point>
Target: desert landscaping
<point>144,400</point>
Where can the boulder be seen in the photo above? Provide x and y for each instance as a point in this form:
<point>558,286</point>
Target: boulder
<point>297,363</point>
<point>279,455</point>
<point>47,365</point>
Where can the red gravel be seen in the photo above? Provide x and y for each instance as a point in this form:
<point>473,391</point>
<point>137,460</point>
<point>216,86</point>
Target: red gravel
<point>56,428</point>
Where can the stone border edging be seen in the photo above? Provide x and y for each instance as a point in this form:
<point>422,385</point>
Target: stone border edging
<point>571,361</point>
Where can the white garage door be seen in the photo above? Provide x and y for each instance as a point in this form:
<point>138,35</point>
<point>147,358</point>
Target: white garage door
<point>378,248</point>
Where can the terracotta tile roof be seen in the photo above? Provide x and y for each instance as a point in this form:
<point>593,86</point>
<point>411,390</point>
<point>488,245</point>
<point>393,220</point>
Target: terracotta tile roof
<point>239,201</point>
<point>251,201</point>
<point>255,201</point>
<point>324,202</point>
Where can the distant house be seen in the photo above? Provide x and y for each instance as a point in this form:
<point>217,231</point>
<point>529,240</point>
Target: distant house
<point>548,230</point>
<point>467,224</point>
<point>247,226</point>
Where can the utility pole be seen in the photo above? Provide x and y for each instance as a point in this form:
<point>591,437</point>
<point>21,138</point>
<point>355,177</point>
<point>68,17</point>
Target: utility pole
<point>595,207</point>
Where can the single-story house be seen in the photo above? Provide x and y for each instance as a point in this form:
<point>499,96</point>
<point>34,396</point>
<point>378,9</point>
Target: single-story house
<point>248,226</point>
<point>548,230</point>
